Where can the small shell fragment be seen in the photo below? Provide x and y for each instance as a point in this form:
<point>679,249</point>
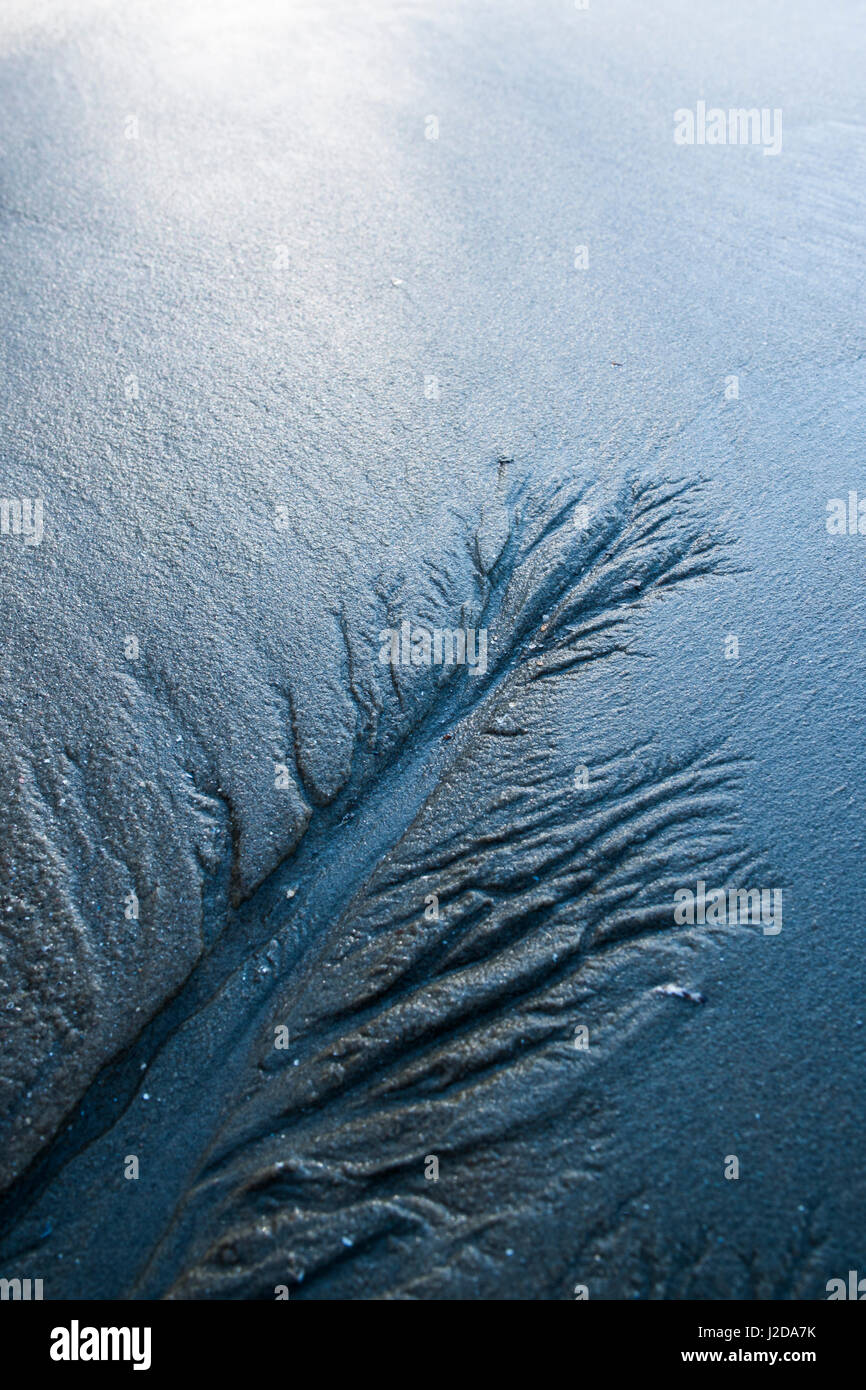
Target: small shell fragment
<point>694,996</point>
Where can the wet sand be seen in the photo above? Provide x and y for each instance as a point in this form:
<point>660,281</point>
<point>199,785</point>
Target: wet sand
<point>319,320</point>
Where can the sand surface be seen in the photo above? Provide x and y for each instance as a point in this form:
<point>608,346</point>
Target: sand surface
<point>297,343</point>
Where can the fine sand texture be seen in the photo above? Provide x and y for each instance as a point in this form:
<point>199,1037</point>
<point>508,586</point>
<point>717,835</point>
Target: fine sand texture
<point>338,339</point>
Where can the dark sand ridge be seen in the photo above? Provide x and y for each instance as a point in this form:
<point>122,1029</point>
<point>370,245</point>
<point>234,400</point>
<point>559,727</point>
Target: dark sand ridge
<point>410,1035</point>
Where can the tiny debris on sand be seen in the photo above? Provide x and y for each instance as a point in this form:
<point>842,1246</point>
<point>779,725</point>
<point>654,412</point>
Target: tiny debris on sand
<point>694,996</point>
